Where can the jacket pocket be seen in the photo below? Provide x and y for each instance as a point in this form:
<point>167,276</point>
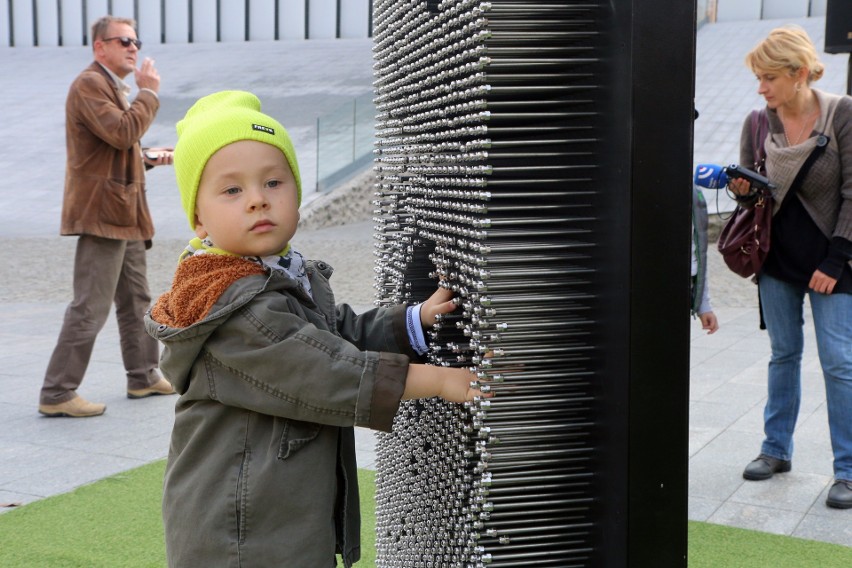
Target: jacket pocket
<point>119,203</point>
<point>295,435</point>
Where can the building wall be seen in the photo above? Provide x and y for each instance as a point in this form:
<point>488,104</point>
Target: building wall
<point>67,22</point>
<point>732,10</point>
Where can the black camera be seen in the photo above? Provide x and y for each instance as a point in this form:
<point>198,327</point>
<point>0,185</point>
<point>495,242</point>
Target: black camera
<point>756,180</point>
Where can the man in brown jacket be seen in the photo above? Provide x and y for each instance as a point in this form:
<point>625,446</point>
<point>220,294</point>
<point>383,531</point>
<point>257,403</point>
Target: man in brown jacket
<point>105,205</point>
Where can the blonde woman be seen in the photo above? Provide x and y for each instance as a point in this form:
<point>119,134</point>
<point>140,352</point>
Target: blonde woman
<point>810,251</point>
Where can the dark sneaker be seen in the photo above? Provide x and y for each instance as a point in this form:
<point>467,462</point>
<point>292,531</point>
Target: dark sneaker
<point>764,467</point>
<point>840,495</point>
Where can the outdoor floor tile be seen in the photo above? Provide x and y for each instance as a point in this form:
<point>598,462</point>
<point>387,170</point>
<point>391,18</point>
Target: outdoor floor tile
<point>701,509</point>
<point>752,423</point>
<point>15,410</point>
<point>731,448</point>
<point>65,475</point>
<point>712,480</point>
<point>754,374</point>
<point>739,397</point>
<point>724,365</point>
<point>700,437</point>
<point>756,344</point>
<point>756,517</point>
<point>705,414</point>
<point>698,355</point>
<point>18,499</point>
<point>836,528</point>
<point>147,450</point>
<point>795,492</point>
<point>814,457</point>
<point>18,457</point>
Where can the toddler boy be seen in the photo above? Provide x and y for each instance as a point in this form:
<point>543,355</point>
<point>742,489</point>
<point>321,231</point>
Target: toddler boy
<point>272,375</point>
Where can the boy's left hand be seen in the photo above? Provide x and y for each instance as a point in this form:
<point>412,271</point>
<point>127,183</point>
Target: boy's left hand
<point>709,322</point>
<point>441,302</point>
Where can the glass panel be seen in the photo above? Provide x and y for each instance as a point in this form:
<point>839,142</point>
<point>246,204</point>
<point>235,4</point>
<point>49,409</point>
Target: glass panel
<point>365,119</point>
<point>344,137</point>
<point>335,132</point>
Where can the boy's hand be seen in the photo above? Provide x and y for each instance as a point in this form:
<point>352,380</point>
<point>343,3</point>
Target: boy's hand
<point>456,385</point>
<point>709,322</point>
<point>441,302</point>
<point>450,383</point>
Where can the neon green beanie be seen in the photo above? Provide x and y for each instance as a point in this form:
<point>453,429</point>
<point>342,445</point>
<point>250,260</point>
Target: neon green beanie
<point>212,123</point>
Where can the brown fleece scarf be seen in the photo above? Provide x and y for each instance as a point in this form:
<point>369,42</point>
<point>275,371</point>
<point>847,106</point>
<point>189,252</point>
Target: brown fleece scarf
<point>198,282</point>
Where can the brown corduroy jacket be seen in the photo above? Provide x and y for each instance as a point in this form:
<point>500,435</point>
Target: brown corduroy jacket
<point>105,175</point>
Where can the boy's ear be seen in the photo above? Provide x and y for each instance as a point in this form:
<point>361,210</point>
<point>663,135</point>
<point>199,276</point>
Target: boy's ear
<point>200,232</point>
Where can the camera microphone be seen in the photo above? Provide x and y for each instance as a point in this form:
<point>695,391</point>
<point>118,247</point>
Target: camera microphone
<point>756,180</point>
<point>710,176</point>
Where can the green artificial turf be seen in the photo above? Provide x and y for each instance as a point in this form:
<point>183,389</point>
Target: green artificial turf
<point>715,546</point>
<point>116,523</point>
<point>110,524</point>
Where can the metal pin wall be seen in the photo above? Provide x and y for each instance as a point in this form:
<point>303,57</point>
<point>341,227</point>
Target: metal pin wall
<point>487,166</point>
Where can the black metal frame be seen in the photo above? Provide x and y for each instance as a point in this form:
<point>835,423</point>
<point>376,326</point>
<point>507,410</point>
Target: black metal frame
<point>629,498</point>
<point>646,399</point>
<point>837,23</point>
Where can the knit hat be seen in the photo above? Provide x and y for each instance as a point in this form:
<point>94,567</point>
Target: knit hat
<point>212,123</point>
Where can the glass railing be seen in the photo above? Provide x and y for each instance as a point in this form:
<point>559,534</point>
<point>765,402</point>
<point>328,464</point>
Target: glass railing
<point>345,141</point>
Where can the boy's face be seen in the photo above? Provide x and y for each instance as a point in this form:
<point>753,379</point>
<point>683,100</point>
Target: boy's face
<point>247,201</point>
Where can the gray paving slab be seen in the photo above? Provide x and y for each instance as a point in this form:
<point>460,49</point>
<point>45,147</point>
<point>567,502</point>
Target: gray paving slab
<point>298,80</point>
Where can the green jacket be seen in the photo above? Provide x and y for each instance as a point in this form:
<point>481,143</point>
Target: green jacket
<point>700,290</point>
<point>261,469</point>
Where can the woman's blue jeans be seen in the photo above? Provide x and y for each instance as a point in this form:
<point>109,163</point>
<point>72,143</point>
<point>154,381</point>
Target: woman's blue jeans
<point>782,311</point>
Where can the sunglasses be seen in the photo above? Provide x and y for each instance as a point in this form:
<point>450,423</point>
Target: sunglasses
<point>125,41</point>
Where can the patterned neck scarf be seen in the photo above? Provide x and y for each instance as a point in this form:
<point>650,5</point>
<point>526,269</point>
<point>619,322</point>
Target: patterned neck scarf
<point>289,261</point>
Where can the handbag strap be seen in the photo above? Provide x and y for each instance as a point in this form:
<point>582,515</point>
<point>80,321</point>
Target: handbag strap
<point>819,148</point>
<point>759,130</point>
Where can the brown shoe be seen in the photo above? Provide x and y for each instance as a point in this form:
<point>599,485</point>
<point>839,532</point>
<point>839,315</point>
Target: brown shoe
<point>77,407</point>
<point>160,387</point>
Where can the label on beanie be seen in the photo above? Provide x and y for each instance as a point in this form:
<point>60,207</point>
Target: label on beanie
<point>263,129</point>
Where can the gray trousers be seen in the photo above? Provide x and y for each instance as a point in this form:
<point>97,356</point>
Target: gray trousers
<point>105,271</point>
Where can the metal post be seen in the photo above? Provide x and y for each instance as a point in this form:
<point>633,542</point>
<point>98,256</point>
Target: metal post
<point>849,75</point>
<point>316,187</point>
